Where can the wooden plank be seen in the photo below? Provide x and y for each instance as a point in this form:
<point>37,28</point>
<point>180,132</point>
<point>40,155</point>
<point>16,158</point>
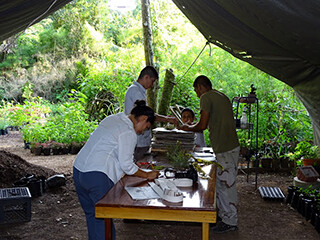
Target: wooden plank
<point>156,214</point>
<point>108,228</point>
<point>205,231</point>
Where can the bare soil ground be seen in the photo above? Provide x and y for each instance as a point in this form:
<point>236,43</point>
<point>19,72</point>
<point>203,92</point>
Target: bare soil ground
<point>57,213</point>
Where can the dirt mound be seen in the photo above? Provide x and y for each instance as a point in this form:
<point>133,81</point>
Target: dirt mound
<point>13,167</point>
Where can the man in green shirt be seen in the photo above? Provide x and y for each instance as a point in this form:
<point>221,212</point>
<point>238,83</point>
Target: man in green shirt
<point>216,113</point>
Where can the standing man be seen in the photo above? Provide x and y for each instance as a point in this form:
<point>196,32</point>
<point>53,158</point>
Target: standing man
<point>216,113</point>
<point>137,91</point>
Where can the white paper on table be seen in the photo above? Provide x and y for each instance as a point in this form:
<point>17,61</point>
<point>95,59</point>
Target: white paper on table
<point>141,193</point>
<point>204,156</point>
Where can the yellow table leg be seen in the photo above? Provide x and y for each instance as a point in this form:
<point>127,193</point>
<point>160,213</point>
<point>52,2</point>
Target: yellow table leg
<point>205,231</point>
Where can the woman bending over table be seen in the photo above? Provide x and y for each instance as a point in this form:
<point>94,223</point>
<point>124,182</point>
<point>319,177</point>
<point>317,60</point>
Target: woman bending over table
<point>106,157</point>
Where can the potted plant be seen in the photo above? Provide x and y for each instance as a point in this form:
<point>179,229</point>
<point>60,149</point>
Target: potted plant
<point>305,152</point>
<point>36,148</point>
<point>177,157</point>
<point>46,148</point>
<point>3,126</point>
<point>75,147</point>
<point>266,161</point>
<point>244,147</point>
<point>266,157</point>
<point>56,147</point>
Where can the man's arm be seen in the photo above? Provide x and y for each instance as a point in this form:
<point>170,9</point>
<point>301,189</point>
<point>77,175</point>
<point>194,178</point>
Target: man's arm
<point>199,126</point>
<point>162,118</point>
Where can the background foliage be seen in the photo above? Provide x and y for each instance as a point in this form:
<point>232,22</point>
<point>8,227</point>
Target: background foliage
<point>98,52</point>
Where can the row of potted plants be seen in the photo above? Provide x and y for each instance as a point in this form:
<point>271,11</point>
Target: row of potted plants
<point>306,202</point>
<point>305,153</point>
<point>55,148</point>
<point>63,131</point>
<point>289,156</point>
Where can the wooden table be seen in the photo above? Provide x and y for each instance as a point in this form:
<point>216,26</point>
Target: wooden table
<point>198,204</point>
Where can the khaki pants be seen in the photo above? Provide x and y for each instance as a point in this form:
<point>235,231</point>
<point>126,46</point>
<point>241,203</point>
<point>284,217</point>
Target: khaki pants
<point>227,198</point>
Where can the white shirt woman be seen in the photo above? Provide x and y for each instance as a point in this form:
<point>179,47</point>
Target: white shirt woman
<point>106,157</point>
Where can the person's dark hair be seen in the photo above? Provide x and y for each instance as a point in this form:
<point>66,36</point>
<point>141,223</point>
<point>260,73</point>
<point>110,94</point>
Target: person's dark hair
<point>188,110</point>
<point>202,80</point>
<point>141,108</point>
<point>150,71</point>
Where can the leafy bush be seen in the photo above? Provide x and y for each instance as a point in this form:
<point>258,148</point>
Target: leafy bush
<point>4,123</point>
<point>304,150</point>
<point>19,115</point>
<point>67,124</point>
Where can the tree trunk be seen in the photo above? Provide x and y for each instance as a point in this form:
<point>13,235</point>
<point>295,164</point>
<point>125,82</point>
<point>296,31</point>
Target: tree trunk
<point>147,37</point>
<point>167,92</point>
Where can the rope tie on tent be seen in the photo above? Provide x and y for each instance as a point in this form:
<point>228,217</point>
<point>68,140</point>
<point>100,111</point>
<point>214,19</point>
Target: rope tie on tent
<point>194,61</point>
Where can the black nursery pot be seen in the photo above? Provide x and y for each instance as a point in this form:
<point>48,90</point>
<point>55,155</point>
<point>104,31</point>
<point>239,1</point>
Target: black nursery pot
<point>65,150</point>
<point>301,204</point>
<point>36,150</point>
<point>308,208</point>
<point>36,185</point>
<point>56,151</point>
<point>46,151</point>
<point>75,149</point>
<point>26,145</point>
<point>291,190</point>
<point>314,214</point>
<point>295,199</point>
<point>317,222</point>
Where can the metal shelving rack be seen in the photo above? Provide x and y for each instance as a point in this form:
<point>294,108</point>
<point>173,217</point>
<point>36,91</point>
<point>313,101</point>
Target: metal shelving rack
<point>252,127</point>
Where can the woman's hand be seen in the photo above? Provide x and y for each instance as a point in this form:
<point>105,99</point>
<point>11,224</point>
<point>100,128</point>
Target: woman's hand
<point>148,175</point>
<point>152,175</point>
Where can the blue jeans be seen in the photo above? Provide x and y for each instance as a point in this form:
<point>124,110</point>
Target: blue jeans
<point>91,187</point>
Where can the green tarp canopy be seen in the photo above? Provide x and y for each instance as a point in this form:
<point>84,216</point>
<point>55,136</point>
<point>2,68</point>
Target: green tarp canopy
<point>282,38</point>
<point>16,15</point>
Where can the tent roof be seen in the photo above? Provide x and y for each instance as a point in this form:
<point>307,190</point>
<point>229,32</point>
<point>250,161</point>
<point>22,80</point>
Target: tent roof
<point>282,38</point>
<point>16,15</point>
